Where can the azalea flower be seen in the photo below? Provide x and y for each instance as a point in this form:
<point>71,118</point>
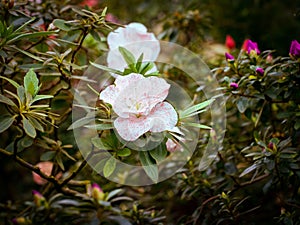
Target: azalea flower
<point>229,42</point>
<point>46,168</point>
<point>295,49</point>
<point>139,104</point>
<point>249,46</point>
<point>135,38</point>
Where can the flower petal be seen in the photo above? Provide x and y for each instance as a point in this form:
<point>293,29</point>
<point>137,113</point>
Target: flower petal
<point>140,97</point>
<point>163,117</point>
<point>110,93</point>
<point>135,38</point>
<point>130,129</point>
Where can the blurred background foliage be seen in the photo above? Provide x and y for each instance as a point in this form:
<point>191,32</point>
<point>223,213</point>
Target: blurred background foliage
<point>271,23</point>
<point>255,178</point>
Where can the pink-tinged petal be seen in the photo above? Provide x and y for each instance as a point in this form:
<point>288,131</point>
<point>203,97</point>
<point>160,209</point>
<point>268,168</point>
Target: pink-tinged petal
<point>110,93</point>
<point>163,117</point>
<point>124,81</point>
<point>171,145</point>
<point>140,97</point>
<point>130,129</point>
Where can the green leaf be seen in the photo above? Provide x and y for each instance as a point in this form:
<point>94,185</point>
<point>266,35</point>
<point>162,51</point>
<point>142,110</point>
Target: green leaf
<point>31,83</point>
<point>31,35</point>
<point>250,169</point>
<point>149,166</point>
<point>197,125</point>
<point>7,100</point>
<point>36,124</point>
<point>113,193</point>
<point>109,167</point>
<point>40,97</point>
<point>242,104</point>
<point>59,161</point>
<point>47,156</point>
<point>6,122</point>
<point>102,143</point>
<point>21,94</point>
<point>81,122</point>
<point>62,24</point>
<point>29,128</point>
<point>101,126</point>
<point>128,56</point>
<point>159,153</point>
<point>29,54</point>
<point>124,152</point>
<point>12,82</point>
<point>105,68</point>
<point>193,110</point>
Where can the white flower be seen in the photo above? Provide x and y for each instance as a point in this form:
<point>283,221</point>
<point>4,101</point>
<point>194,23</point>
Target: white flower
<point>139,103</point>
<point>135,38</point>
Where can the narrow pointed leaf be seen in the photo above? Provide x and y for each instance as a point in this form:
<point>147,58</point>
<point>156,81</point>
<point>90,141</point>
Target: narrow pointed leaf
<point>149,166</point>
<point>6,122</point>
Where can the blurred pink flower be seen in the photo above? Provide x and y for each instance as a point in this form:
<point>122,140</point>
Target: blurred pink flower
<point>139,103</point>
<point>46,168</point>
<point>135,38</point>
<point>249,46</point>
<point>111,18</point>
<point>295,49</point>
<point>229,42</point>
<point>234,85</point>
<point>90,3</point>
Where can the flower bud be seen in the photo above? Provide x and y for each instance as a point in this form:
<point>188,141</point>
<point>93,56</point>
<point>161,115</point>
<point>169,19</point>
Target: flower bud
<point>260,71</point>
<point>229,42</point>
<point>250,47</point>
<point>234,85</point>
<point>229,57</point>
<point>295,49</point>
<point>97,192</point>
<point>38,199</point>
<point>21,221</point>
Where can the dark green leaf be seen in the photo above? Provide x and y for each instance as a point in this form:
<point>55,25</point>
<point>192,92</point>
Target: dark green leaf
<point>59,161</point>
<point>12,82</point>
<point>149,166</point>
<point>48,156</point>
<point>6,122</point>
<point>109,167</point>
<point>29,128</point>
<point>36,124</point>
<point>159,153</point>
<point>7,101</point>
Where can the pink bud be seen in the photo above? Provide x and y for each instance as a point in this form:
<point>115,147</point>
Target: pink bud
<point>234,85</point>
<point>229,57</point>
<point>260,70</point>
<point>229,42</point>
